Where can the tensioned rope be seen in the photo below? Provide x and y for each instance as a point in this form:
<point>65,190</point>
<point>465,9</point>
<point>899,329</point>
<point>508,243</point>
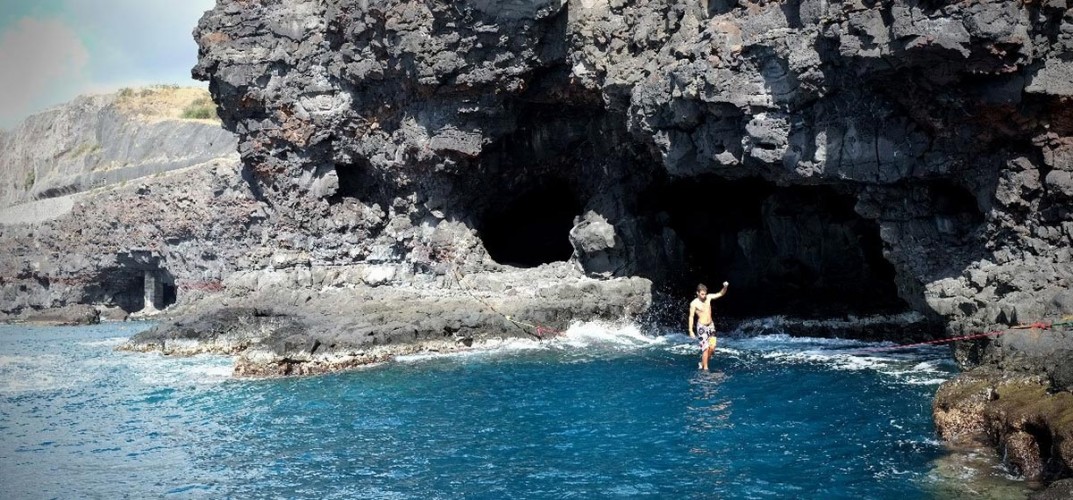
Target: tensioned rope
<point>1038,325</point>
<point>539,330</point>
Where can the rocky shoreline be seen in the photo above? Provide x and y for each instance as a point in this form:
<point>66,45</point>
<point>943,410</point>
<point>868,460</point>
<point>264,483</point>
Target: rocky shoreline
<point>72,315</point>
<point>1016,398</point>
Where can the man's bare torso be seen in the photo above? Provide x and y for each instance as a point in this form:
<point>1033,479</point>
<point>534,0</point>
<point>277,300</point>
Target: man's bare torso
<point>704,310</point>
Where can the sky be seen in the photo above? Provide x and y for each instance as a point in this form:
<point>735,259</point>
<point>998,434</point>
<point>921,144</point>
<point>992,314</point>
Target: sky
<point>54,50</point>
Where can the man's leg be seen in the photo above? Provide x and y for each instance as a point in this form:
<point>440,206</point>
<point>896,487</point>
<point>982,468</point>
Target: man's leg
<point>704,358</point>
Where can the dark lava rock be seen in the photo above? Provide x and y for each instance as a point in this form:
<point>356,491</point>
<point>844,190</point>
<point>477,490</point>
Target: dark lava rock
<point>77,314</point>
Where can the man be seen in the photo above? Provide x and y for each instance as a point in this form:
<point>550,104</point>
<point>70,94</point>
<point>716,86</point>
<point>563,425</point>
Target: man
<point>701,308</point>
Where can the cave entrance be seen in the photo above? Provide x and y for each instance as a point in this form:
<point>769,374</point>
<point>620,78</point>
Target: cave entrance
<point>139,282</point>
<point>533,180</point>
<point>119,286</point>
<point>798,251</point>
<point>533,227</point>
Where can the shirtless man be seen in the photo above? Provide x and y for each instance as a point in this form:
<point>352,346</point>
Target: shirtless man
<point>701,307</point>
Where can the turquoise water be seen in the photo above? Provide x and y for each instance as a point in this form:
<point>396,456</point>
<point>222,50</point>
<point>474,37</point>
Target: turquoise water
<point>602,412</point>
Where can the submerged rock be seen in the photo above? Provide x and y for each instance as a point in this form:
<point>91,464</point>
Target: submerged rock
<point>1059,490</point>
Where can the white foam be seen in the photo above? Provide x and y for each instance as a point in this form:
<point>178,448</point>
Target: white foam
<point>483,348</point>
<point>9,360</point>
<point>927,366</point>
<point>614,335</point>
<point>780,340</point>
<point>585,341</point>
<point>31,383</point>
<point>21,373</point>
<point>929,381</point>
<point>599,336</point>
<point>165,371</point>
<point>110,342</point>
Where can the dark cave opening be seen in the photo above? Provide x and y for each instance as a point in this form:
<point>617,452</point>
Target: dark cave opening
<point>121,287</point>
<point>536,179</point>
<point>358,181</point>
<point>798,251</point>
<point>137,278</point>
<point>532,227</point>
<point>955,207</point>
<point>169,293</point>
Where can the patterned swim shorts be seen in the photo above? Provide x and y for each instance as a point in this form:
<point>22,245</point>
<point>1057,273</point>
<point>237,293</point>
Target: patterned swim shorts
<point>705,332</point>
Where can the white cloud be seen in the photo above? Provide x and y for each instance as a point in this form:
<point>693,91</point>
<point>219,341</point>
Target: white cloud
<point>147,39</point>
<point>67,48</point>
<point>38,57</point>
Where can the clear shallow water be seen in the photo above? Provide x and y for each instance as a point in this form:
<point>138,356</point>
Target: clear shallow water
<point>603,412</point>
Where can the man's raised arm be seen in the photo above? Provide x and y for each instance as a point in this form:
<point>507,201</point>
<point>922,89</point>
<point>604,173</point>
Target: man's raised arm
<point>721,292</point>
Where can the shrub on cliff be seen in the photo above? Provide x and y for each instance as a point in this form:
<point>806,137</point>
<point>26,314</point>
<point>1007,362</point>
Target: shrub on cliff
<point>200,109</point>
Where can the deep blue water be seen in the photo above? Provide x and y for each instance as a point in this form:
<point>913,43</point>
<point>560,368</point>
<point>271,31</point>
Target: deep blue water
<point>603,412</point>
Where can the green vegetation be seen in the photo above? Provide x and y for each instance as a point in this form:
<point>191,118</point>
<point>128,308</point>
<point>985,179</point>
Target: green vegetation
<point>201,109</point>
<point>1021,401</point>
<point>128,93</point>
<point>31,178</point>
<point>83,149</point>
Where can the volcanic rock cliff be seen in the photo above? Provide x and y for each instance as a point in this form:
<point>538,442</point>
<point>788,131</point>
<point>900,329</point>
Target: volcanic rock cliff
<point>826,157</point>
<point>917,155</point>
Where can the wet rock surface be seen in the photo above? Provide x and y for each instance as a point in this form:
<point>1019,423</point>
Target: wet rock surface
<point>1057,491</point>
<point>1023,416</point>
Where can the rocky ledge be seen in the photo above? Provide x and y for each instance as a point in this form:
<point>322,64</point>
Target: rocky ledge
<point>328,328</point>
<point>77,314</point>
<point>1017,399</point>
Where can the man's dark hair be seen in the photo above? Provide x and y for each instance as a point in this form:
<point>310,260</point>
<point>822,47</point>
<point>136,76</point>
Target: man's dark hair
<point>701,288</point>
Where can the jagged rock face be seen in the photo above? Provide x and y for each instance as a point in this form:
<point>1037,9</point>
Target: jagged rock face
<point>108,189</point>
<point>871,155</point>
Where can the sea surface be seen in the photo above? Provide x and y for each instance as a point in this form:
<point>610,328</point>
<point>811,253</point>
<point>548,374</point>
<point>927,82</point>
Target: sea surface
<point>605,411</point>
